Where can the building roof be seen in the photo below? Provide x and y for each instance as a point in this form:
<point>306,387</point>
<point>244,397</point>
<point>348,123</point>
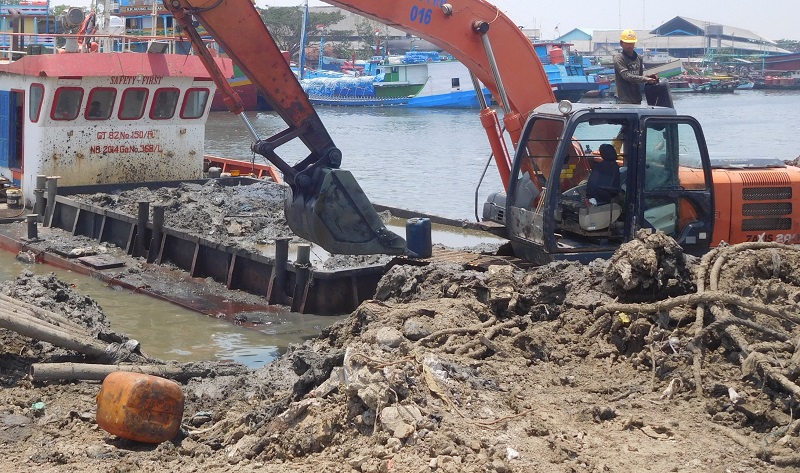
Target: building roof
<point>576,34</point>
<point>698,40</point>
<point>685,26</point>
<point>352,20</point>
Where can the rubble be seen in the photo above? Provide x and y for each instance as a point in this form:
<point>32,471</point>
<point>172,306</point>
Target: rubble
<point>653,360</point>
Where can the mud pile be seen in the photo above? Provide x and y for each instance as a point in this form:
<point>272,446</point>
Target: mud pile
<point>243,215</point>
<point>602,367</point>
<point>246,216</point>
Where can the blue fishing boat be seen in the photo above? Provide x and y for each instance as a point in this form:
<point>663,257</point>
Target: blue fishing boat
<point>567,72</point>
<point>417,79</point>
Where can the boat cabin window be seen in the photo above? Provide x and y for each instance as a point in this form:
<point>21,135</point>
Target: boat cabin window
<point>67,104</point>
<point>164,103</point>
<point>35,103</point>
<point>131,106</point>
<point>100,103</point>
<point>194,103</point>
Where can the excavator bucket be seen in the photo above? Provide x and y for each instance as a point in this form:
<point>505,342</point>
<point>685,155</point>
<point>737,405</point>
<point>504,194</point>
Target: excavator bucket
<point>334,213</point>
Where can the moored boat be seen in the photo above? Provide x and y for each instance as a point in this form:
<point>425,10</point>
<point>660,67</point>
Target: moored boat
<point>704,85</point>
<point>103,117</point>
<point>414,80</point>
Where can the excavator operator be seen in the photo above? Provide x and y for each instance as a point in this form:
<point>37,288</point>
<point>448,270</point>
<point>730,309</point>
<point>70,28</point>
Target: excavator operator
<point>604,181</point>
<point>629,70</point>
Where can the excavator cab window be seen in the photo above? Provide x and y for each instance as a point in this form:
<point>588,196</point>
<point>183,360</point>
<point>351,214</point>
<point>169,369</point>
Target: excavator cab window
<point>531,173</point>
<point>549,207</point>
<point>592,184</point>
<point>675,182</point>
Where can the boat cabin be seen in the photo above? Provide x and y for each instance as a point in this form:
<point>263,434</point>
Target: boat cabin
<point>103,118</point>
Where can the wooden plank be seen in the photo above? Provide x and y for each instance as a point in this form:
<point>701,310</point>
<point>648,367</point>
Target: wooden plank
<point>101,261</point>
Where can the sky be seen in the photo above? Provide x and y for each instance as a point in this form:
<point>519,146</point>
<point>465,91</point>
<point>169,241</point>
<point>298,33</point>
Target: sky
<point>778,21</point>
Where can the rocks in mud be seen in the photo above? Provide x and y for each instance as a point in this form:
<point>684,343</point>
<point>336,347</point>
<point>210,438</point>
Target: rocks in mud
<point>651,266</point>
<point>417,328</point>
<point>503,291</point>
<point>49,292</point>
<point>400,420</point>
<point>26,257</point>
<point>242,215</point>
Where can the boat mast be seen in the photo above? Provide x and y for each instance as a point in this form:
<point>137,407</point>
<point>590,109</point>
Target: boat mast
<point>106,42</point>
<point>302,59</point>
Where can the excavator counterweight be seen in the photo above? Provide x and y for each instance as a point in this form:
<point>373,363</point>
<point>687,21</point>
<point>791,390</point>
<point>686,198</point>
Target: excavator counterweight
<point>326,206</point>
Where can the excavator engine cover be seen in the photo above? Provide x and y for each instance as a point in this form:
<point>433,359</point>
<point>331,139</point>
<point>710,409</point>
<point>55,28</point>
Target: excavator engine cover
<point>335,213</point>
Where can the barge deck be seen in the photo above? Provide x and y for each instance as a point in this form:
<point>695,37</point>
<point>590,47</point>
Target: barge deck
<point>276,278</point>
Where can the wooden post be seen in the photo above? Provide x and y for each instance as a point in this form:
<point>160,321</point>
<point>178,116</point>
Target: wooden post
<point>302,266</point>
<point>277,287</point>
<point>158,226</point>
<point>73,371</point>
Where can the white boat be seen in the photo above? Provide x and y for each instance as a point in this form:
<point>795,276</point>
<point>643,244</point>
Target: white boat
<point>667,69</point>
<point>102,117</point>
<point>656,58</point>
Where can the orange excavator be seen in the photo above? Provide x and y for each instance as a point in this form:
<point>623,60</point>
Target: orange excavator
<point>583,179</point>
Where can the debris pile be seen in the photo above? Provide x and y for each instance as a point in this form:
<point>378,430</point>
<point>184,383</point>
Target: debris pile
<point>652,360</point>
<point>245,215</point>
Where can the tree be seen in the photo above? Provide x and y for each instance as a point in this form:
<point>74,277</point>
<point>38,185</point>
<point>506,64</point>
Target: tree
<point>368,32</point>
<point>285,25</point>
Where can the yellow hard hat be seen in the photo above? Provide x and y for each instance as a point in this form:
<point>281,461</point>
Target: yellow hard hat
<point>628,36</point>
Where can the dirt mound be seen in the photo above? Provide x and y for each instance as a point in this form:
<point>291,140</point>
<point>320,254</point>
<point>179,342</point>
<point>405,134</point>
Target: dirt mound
<point>609,366</point>
<point>245,215</point>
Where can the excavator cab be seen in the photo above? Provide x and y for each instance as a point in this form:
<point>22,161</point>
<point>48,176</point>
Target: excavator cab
<point>587,179</point>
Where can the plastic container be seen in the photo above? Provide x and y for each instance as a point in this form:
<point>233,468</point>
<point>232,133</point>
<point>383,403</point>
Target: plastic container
<point>418,236</point>
<point>140,407</point>
<point>556,55</point>
<point>14,198</point>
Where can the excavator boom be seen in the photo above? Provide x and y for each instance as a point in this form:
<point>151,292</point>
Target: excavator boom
<point>457,29</point>
<point>466,29</point>
<point>327,206</point>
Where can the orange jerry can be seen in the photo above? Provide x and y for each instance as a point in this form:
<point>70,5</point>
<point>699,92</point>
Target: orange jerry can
<point>140,407</point>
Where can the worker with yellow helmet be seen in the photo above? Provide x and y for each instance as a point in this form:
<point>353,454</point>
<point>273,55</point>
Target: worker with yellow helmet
<point>628,70</point>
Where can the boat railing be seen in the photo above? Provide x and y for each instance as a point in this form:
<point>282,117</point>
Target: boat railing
<point>15,45</point>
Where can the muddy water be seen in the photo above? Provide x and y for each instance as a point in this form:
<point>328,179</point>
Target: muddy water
<point>170,332</point>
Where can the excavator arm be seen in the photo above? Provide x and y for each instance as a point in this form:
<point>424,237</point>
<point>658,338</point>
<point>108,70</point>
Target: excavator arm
<point>327,206</point>
<point>467,29</point>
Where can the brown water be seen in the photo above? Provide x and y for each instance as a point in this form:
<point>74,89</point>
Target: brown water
<point>170,332</point>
